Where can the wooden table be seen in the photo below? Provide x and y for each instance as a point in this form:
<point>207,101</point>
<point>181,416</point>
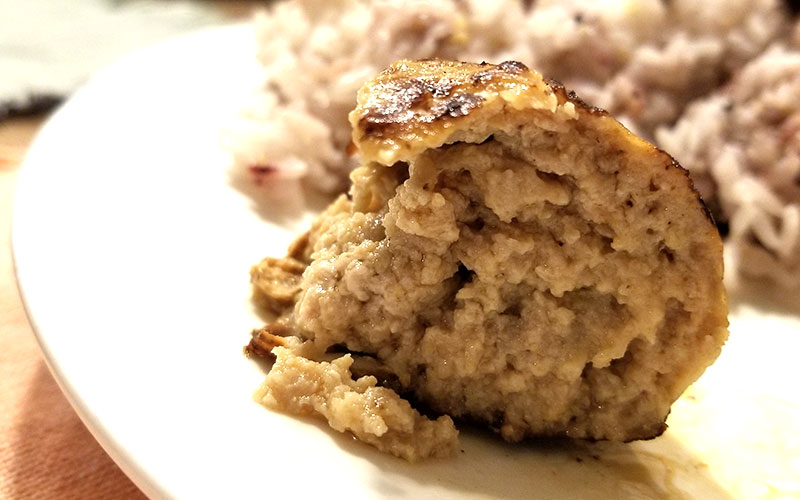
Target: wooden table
<point>45,450</point>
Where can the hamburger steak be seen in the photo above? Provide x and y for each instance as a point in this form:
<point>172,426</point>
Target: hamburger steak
<point>507,255</point>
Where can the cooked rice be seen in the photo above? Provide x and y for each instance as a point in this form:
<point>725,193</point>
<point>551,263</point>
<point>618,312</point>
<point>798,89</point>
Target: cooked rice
<point>317,53</point>
<point>743,149</point>
<point>646,61</point>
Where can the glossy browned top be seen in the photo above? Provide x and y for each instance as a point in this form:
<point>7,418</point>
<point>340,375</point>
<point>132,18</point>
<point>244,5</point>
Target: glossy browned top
<point>411,94</point>
<point>413,105</point>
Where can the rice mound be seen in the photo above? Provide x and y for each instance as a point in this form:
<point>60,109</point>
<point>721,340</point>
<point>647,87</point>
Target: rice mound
<point>742,145</point>
<point>645,61</point>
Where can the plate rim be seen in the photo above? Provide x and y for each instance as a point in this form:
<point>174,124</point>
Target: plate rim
<point>136,471</point>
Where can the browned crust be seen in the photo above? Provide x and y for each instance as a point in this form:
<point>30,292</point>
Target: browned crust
<point>569,95</point>
<point>425,96</point>
<point>434,91</point>
<point>299,249</point>
<point>277,281</point>
<point>265,339</point>
<point>416,101</point>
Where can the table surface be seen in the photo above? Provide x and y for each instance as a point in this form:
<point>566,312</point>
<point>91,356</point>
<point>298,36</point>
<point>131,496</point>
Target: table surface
<point>45,450</point>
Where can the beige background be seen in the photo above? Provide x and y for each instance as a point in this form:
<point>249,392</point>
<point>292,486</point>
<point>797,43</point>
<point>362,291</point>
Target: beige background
<point>45,450</point>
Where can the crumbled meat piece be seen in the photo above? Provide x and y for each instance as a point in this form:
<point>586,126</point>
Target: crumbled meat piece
<point>375,415</point>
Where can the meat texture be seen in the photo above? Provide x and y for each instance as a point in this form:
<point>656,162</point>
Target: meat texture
<point>507,255</point>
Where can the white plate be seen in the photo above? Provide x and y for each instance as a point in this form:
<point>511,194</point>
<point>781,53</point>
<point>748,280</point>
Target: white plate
<point>132,250</point>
